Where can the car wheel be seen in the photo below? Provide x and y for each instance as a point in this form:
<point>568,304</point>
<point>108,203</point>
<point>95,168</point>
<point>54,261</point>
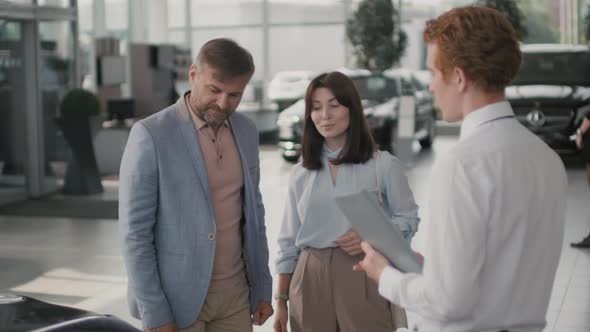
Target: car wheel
<point>291,158</point>
<point>390,146</point>
<point>426,142</point>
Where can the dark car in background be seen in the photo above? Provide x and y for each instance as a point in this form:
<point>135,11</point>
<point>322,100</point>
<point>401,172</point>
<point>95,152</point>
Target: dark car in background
<point>551,92</point>
<point>424,110</point>
<point>380,94</point>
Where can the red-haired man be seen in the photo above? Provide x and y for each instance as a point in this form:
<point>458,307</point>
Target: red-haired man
<point>497,199</point>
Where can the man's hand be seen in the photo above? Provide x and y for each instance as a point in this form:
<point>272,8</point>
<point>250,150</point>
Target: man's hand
<point>170,327</point>
<point>374,263</point>
<point>420,257</point>
<point>262,312</point>
<point>350,242</point>
<point>281,317</point>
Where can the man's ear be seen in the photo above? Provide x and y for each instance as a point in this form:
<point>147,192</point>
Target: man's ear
<point>460,79</point>
<point>192,73</point>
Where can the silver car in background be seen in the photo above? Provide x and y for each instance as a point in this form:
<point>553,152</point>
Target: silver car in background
<point>287,87</point>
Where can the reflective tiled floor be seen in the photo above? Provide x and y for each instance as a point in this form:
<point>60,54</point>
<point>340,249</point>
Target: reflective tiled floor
<point>78,262</point>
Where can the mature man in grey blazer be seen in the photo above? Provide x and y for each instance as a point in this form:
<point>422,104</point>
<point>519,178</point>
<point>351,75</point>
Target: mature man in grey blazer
<point>190,210</point>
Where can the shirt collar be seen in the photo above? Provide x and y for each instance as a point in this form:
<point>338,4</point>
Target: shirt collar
<point>199,123</point>
<point>483,115</point>
<point>329,153</point>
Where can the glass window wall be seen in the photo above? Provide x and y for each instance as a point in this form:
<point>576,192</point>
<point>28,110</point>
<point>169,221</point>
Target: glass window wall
<point>85,17</point>
<point>19,2</point>
<point>54,3</point>
<point>57,78</point>
<point>306,12</point>
<point>176,14</point>
<point>117,17</point>
<point>316,48</point>
<point>12,114</point>
<point>302,34</point>
<point>213,13</point>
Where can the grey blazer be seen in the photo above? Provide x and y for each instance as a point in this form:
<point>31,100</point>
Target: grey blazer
<point>166,218</point>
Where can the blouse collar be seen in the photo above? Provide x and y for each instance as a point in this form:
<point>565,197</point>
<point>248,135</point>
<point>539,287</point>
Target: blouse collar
<point>329,153</point>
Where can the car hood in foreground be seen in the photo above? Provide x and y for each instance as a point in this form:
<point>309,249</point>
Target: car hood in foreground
<point>548,95</point>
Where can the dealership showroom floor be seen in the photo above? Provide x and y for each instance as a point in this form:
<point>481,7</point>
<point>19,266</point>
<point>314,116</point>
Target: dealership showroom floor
<point>78,262</point>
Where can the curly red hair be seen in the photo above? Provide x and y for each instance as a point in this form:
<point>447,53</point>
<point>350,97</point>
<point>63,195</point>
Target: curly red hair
<point>479,40</point>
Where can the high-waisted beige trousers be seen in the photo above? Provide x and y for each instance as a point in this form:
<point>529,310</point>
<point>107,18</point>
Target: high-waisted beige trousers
<point>326,295</point>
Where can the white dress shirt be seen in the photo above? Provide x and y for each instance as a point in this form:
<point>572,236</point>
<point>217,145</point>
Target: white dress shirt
<point>494,236</point>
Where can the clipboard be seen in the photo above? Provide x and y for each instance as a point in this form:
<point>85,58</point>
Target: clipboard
<point>368,219</point>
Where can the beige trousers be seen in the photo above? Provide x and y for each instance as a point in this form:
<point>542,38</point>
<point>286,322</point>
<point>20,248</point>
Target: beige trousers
<point>224,310</point>
<point>326,295</point>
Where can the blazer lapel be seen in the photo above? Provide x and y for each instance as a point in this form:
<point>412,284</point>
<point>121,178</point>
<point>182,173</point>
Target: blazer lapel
<point>238,138</point>
<point>193,147</point>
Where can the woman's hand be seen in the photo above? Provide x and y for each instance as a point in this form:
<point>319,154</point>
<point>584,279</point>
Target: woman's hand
<point>281,316</point>
<point>350,242</point>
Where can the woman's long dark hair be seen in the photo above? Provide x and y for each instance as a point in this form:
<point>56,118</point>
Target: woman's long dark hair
<point>359,146</point>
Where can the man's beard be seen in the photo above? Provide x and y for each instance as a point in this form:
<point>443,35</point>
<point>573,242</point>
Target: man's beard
<point>213,115</point>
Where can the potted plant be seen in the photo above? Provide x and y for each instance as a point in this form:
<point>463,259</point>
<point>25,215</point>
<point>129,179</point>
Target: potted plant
<point>76,109</point>
<point>375,35</point>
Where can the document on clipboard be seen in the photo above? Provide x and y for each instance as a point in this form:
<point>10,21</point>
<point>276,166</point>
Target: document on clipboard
<point>368,219</point>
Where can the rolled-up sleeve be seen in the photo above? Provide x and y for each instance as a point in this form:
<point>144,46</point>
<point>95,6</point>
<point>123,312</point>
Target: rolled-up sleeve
<point>400,197</point>
<point>288,251</point>
<point>449,287</point>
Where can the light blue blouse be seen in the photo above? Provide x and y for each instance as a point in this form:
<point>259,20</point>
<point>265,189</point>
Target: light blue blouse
<point>311,217</point>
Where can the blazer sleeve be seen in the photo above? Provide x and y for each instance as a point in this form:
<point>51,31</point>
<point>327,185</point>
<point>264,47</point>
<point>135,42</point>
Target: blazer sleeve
<point>265,290</point>
<point>138,199</point>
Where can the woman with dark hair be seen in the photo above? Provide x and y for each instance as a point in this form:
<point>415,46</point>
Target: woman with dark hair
<point>317,247</point>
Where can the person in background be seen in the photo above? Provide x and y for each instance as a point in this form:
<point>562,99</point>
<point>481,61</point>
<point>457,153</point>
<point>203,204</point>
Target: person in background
<point>497,198</point>
<point>583,143</point>
<point>317,246</point>
<point>190,210</point>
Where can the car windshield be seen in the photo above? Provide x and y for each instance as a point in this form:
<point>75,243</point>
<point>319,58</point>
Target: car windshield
<point>554,68</point>
<point>376,88</point>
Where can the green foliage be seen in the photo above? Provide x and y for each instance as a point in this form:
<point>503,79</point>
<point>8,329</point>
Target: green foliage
<point>538,30</point>
<point>537,22</point>
<point>79,103</point>
<point>375,34</point>
<point>511,10</point>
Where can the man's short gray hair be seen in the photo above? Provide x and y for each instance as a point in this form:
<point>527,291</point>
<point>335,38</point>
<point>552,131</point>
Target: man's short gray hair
<point>227,56</point>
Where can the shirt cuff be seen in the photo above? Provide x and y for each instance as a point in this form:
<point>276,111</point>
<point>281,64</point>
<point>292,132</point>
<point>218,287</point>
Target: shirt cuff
<point>285,265</point>
<point>389,284</point>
